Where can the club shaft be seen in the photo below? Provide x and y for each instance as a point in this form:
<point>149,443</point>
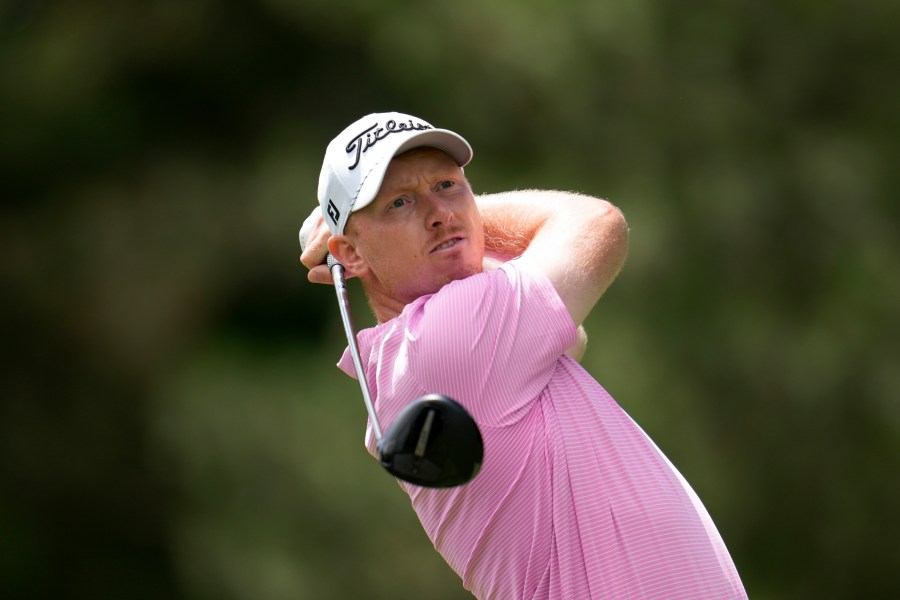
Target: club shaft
<point>340,287</point>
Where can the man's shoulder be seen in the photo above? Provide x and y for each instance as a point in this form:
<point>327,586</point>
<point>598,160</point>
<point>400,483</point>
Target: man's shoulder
<point>473,293</point>
<point>461,296</point>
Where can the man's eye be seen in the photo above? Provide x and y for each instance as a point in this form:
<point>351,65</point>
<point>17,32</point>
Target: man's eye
<point>398,202</point>
<point>446,184</point>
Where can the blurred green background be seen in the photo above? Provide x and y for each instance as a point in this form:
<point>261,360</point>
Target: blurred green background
<point>172,423</point>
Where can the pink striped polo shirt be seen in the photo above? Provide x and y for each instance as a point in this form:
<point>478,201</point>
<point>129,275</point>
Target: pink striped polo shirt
<point>573,499</point>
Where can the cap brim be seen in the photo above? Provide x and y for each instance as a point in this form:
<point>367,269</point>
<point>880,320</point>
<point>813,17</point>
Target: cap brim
<point>443,139</point>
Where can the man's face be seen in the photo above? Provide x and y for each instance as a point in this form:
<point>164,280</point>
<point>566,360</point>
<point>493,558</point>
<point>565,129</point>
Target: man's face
<point>423,230</point>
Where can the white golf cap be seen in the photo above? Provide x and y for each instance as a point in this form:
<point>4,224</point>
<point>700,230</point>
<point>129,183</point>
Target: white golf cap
<point>357,159</point>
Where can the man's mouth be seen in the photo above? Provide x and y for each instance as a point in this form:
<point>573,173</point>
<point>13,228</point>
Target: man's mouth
<point>448,244</point>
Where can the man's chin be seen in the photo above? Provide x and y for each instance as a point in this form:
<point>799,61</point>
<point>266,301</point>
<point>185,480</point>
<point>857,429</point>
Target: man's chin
<point>465,270</point>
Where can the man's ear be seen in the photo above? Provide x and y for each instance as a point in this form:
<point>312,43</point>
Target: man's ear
<point>344,250</point>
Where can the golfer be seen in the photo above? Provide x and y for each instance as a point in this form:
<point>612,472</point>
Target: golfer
<point>573,500</point>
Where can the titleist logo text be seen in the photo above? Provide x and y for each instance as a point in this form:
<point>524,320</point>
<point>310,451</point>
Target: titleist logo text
<point>374,134</point>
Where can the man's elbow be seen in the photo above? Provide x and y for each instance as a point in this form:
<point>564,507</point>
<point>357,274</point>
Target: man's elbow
<point>611,226</point>
<point>610,240</point>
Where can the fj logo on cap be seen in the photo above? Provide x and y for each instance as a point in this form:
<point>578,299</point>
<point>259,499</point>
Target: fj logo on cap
<point>333,212</point>
<point>374,134</point>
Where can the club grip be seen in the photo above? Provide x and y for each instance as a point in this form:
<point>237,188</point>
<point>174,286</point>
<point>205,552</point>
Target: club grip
<point>331,261</point>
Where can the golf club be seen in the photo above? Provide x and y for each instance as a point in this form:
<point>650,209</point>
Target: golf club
<point>434,441</point>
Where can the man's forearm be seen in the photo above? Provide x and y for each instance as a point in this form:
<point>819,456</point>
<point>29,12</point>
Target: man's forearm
<point>511,220</point>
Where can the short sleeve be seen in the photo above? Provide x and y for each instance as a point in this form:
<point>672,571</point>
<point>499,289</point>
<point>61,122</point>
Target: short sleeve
<point>490,341</point>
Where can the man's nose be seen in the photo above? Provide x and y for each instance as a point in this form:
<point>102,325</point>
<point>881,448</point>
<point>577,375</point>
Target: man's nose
<point>439,214</point>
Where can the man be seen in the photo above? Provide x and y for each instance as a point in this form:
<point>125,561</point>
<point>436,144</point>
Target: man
<point>573,499</point>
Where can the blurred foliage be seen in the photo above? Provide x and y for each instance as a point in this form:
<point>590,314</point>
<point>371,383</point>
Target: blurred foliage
<point>172,421</point>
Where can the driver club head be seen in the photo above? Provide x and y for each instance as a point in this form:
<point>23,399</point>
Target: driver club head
<point>433,442</point>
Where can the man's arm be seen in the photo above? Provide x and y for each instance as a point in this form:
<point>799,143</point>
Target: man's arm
<point>576,350</point>
<point>579,242</point>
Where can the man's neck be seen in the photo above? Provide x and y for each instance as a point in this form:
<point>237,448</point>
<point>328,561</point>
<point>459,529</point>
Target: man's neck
<point>384,306</point>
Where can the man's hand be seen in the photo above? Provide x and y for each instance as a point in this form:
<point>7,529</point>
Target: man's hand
<point>314,236</point>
